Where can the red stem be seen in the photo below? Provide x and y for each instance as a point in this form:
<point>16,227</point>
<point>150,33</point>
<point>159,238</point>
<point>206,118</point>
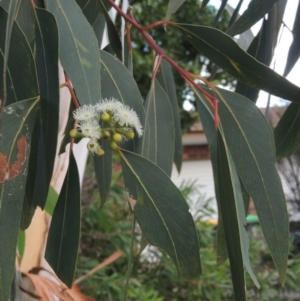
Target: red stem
<point>74,98</point>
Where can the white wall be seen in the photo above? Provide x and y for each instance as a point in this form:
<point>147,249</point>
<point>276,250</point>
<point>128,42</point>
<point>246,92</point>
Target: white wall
<point>201,172</point>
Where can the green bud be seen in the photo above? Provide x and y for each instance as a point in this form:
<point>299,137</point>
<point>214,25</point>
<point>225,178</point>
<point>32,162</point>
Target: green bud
<point>113,145</point>
<point>75,134</point>
<point>105,117</point>
<point>100,152</point>
<point>105,134</point>
<point>117,137</point>
<point>129,134</point>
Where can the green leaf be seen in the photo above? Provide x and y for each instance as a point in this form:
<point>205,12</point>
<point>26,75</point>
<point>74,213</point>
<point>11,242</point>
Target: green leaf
<point>162,212</point>
<point>51,200</point>
<point>64,233</point>
<point>261,48</point>
<point>92,9</point>
<point>28,207</point>
<point>47,66</point>
<point>12,6</point>
<point>207,120</point>
<point>173,6</point>
<point>222,50</point>
<point>231,205</point>
<point>157,143</point>
<point>21,243</point>
<point>166,79</point>
<point>294,50</point>
<point>118,82</point>
<point>24,16</point>
<point>220,10</point>
<point>15,129</point>
<point>250,141</point>
<point>112,33</point>
<point>203,5</point>
<point>103,171</point>
<point>79,52</point>
<point>286,133</point>
<point>99,29</point>
<point>21,73</point>
<point>255,11</point>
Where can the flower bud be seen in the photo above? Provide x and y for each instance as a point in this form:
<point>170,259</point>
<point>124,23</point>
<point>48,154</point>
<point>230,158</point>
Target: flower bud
<point>113,145</point>
<point>105,134</point>
<point>117,137</point>
<point>75,134</point>
<point>105,117</point>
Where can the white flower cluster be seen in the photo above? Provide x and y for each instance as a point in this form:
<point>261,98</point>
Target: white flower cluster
<point>121,114</point>
<point>120,120</point>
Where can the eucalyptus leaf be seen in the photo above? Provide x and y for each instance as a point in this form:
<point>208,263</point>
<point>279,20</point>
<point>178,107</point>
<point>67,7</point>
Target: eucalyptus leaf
<point>64,233</point>
<point>78,49</point>
<point>286,133</point>
<point>21,74</point>
<point>166,79</point>
<point>255,11</point>
<point>294,50</point>
<point>162,213</point>
<point>16,128</point>
<point>173,6</point>
<point>47,66</point>
<point>103,171</point>
<point>158,140</point>
<point>207,119</point>
<point>251,144</point>
<point>223,51</point>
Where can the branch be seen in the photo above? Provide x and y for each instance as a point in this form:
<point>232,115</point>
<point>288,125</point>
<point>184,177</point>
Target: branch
<point>186,75</point>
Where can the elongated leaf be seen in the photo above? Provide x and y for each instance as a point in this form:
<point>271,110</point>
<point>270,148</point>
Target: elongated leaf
<point>24,16</point>
<point>51,200</point>
<point>92,9</point>
<point>286,133</point>
<point>64,233</point>
<point>244,40</point>
<point>207,120</point>
<point>103,171</point>
<point>112,32</point>
<point>173,6</point>
<point>8,31</point>
<point>220,10</point>
<point>28,207</point>
<point>250,141</point>
<point>294,50</point>
<point>162,213</point>
<point>15,129</point>
<point>21,73</point>
<point>255,11</point>
<point>222,50</point>
<point>79,52</point>
<point>229,194</point>
<point>158,138</point>
<point>203,5</point>
<point>261,49</point>
<point>166,79</point>
<point>233,209</point>
<point>118,82</point>
<point>47,65</point>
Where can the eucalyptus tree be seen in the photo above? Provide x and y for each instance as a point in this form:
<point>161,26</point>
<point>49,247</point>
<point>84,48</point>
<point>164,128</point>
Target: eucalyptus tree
<point>108,111</point>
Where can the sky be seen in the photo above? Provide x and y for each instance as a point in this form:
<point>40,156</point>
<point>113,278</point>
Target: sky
<point>282,49</point>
